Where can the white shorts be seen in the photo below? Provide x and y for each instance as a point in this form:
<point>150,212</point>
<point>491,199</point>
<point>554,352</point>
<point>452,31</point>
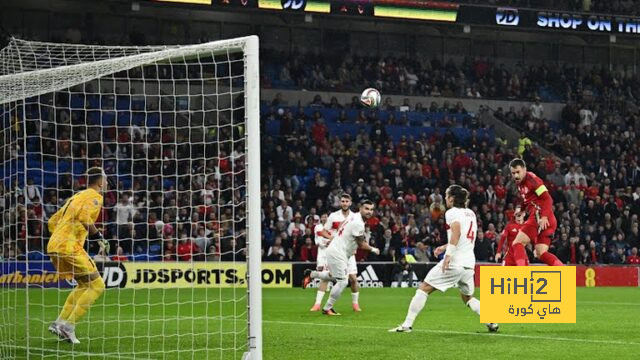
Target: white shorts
<point>454,277</point>
<point>352,268</point>
<point>321,261</point>
<point>338,266</point>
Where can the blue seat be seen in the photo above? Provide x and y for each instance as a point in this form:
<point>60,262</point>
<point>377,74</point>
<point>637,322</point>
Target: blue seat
<point>108,118</point>
<point>124,118</point>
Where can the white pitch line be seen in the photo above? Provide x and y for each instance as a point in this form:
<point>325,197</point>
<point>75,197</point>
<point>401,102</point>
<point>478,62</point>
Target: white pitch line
<point>612,342</point>
<point>608,303</point>
<point>110,355</point>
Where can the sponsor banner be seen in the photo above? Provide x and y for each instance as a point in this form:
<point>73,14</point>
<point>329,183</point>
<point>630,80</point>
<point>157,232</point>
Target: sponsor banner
<point>551,20</point>
<point>528,294</point>
<point>370,275</point>
<point>150,275</point>
<point>592,276</point>
<point>32,274</point>
<point>144,275</point>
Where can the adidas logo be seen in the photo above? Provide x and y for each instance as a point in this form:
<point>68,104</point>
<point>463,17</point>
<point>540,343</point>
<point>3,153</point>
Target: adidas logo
<point>369,279</point>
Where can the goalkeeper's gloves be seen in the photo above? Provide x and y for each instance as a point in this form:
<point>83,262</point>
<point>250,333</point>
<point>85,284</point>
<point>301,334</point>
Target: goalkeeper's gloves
<point>375,250</point>
<point>103,243</point>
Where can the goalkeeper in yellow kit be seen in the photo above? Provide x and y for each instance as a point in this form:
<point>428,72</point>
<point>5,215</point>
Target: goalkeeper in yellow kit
<point>69,227</point>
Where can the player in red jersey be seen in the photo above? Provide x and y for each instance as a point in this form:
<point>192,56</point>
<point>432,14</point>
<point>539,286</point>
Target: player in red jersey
<point>508,235</point>
<point>541,224</point>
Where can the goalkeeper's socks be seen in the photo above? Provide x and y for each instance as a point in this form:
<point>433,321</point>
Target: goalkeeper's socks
<point>71,302</point>
<point>519,254</point>
<point>550,259</point>
<point>417,304</point>
<point>95,289</point>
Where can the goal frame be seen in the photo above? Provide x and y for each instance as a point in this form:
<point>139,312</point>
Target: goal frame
<point>21,85</point>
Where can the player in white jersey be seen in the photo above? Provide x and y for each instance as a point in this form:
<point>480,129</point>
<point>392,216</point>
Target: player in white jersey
<point>331,226</point>
<point>322,239</point>
<point>350,236</point>
<point>457,267</point>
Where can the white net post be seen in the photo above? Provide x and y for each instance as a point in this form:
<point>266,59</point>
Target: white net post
<point>252,100</point>
<point>177,130</point>
<point>12,171</point>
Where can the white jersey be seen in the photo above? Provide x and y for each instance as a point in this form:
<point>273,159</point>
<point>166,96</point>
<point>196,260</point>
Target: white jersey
<point>334,220</point>
<point>345,244</point>
<point>464,255</point>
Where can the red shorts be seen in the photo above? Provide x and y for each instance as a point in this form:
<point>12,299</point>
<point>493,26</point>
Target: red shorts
<point>530,227</point>
<point>508,260</point>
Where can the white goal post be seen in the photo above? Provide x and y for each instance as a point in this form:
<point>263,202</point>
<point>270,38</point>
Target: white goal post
<point>67,107</point>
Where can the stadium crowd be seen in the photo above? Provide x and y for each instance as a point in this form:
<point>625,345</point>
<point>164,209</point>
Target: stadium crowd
<point>471,78</point>
<point>306,168</point>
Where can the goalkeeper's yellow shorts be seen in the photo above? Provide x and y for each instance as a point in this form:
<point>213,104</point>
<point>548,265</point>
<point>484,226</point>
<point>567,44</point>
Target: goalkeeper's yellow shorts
<point>71,265</point>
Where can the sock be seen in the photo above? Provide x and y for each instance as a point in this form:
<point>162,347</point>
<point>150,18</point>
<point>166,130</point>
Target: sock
<point>519,254</point>
<point>95,289</point>
<point>474,305</point>
<point>354,297</point>
<point>322,275</point>
<point>71,302</point>
<point>417,303</point>
<point>336,291</point>
<point>319,296</point>
<point>550,259</point>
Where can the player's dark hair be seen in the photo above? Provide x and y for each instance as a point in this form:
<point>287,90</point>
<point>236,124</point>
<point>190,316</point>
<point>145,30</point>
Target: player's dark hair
<point>94,175</point>
<point>460,195</point>
<point>366,202</point>
<point>517,162</point>
<point>345,196</point>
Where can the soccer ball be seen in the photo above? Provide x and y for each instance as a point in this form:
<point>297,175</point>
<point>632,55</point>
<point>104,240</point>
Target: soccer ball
<point>370,98</point>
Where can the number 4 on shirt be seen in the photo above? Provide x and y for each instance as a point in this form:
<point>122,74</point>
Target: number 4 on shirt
<point>470,234</point>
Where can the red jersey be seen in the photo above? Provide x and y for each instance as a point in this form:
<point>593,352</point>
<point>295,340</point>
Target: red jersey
<point>535,195</point>
<point>508,235</point>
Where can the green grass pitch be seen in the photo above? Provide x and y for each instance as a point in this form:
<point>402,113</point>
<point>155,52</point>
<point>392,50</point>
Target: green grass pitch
<point>160,324</point>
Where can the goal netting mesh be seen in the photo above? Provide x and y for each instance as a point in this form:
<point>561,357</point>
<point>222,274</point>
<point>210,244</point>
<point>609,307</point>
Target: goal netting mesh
<point>176,130</point>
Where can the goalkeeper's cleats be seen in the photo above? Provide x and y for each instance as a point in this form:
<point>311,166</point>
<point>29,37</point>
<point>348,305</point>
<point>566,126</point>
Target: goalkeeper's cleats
<point>315,307</point>
<point>69,333</point>
<point>356,307</point>
<point>54,328</point>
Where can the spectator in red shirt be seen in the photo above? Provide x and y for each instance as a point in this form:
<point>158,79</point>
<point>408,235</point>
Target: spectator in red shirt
<point>309,251</point>
<point>633,258</point>
<point>319,131</point>
<point>186,248</point>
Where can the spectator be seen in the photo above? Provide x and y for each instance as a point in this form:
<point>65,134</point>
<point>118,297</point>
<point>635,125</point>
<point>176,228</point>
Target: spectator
<point>120,256</point>
<point>309,251</point>
<point>402,272</point>
<point>186,248</point>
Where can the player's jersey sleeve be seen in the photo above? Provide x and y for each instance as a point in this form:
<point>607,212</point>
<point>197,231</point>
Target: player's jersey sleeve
<point>53,222</point>
<point>358,229</point>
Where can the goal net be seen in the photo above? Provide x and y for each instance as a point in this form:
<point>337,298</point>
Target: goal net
<point>176,129</point>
